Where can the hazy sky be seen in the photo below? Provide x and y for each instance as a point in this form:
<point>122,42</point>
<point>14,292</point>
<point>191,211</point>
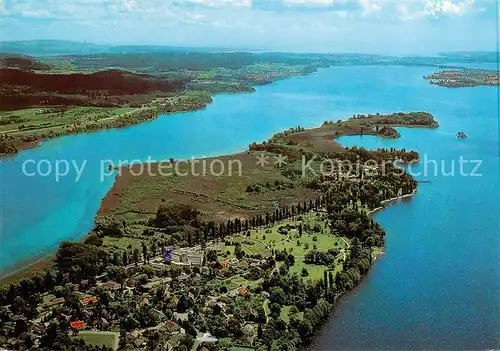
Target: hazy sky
<point>377,26</point>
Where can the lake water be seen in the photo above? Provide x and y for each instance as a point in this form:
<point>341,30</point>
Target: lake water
<point>437,286</point>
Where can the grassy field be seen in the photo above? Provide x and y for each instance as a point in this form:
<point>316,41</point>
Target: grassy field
<point>220,197</point>
<point>109,339</point>
<point>55,118</point>
<point>264,240</point>
<point>241,348</point>
<point>122,243</point>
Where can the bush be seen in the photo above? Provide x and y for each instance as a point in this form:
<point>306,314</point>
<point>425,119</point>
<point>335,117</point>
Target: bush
<point>93,239</point>
<point>109,227</point>
<point>238,251</point>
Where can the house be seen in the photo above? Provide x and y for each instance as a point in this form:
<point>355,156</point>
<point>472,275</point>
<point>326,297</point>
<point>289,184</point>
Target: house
<point>111,285</point>
<point>173,327</point>
<point>187,257</point>
<point>183,277</point>
<point>207,337</point>
<point>195,260</point>
<point>224,263</point>
<point>157,315</point>
<point>55,302</point>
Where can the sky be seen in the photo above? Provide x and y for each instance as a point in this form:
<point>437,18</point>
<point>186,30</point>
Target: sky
<point>367,26</point>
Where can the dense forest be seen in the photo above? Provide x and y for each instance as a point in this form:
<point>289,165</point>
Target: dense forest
<point>20,89</point>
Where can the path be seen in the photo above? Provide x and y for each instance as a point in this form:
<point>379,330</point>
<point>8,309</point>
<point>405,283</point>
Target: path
<point>343,250</point>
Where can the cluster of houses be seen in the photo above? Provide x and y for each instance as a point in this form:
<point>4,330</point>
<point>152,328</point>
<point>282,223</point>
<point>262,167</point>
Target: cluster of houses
<point>185,257</point>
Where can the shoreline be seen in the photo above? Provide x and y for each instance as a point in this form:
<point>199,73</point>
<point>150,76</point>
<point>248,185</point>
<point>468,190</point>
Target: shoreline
<point>388,201</point>
<point>25,145</point>
<point>28,268</point>
<point>35,263</point>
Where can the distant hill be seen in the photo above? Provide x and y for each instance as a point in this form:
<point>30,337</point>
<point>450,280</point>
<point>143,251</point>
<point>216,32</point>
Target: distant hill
<point>65,47</point>
<point>115,82</point>
<point>21,89</point>
<point>49,47</point>
<point>21,62</point>
<point>471,56</point>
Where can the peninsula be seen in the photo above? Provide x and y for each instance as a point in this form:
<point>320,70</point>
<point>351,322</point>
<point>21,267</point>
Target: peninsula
<point>254,256</point>
<point>457,78</point>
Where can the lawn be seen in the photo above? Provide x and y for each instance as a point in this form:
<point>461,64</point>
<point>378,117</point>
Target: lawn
<point>252,246</point>
<point>219,197</point>
<point>272,239</point>
<point>241,348</point>
<point>123,242</point>
<point>285,314</point>
<point>235,282</point>
<point>99,338</point>
<point>315,271</point>
<point>262,241</point>
<point>267,311</point>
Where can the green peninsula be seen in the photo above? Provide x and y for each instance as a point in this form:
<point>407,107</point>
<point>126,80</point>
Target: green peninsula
<point>253,260</point>
<point>458,78</point>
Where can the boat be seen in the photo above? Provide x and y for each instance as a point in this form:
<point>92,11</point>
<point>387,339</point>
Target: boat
<point>461,135</point>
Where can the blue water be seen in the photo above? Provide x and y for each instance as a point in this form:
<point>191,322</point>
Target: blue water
<point>437,285</point>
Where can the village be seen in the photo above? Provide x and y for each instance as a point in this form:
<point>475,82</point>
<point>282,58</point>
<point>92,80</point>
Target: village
<point>167,288</point>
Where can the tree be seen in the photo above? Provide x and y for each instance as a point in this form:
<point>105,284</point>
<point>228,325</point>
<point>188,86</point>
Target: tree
<point>125,258</point>
<point>106,226</point>
<point>277,295</point>
<point>48,280</point>
<point>211,255</point>
<point>238,251</point>
<point>275,308</point>
<point>135,256</point>
<point>153,248</point>
<point>173,215</point>
<point>144,252</point>
<point>304,328</point>
<point>93,239</point>
<point>88,258</point>
<point>304,272</point>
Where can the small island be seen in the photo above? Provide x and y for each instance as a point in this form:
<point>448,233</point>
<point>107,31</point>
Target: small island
<point>388,132</point>
<point>381,124</point>
<point>457,78</point>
